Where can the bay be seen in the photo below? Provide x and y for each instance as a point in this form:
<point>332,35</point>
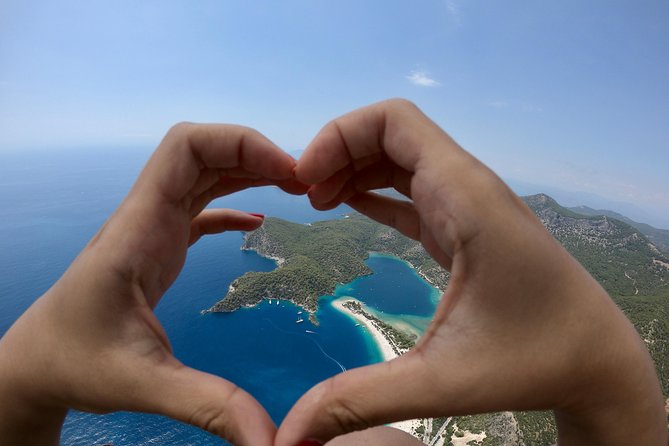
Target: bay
<point>52,203</point>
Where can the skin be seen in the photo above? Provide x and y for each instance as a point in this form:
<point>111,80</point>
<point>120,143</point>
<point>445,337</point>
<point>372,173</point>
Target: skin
<point>521,325</point>
<point>92,341</point>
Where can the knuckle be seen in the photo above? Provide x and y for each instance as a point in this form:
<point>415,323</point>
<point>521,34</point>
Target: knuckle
<point>342,411</point>
<point>218,417</point>
<point>180,129</point>
<point>401,104</point>
<point>346,418</point>
<point>213,420</point>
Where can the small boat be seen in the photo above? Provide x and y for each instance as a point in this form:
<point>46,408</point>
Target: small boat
<point>357,325</point>
<point>270,301</point>
<point>309,331</point>
<point>277,301</point>
<point>299,312</point>
<point>299,321</point>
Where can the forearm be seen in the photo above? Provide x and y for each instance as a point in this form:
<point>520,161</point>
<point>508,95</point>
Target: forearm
<point>619,400</point>
<point>27,415</point>
<point>25,425</point>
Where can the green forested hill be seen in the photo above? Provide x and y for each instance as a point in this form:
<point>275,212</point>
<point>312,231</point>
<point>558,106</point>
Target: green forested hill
<point>631,269</point>
<point>314,258</point>
<point>659,237</point>
<point>618,255</point>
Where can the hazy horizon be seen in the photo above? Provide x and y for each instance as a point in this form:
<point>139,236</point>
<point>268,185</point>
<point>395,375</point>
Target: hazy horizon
<point>567,98</point>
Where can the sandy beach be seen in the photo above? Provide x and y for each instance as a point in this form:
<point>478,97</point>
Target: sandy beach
<point>387,350</point>
<point>384,345</point>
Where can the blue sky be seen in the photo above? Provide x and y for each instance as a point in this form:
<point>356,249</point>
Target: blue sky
<point>568,96</point>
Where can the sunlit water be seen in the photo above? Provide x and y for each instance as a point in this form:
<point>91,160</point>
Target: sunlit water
<point>51,204</point>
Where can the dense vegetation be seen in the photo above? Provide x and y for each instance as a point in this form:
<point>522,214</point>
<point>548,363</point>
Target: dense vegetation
<point>659,237</point>
<point>400,341</point>
<point>631,269</point>
<point>317,257</point>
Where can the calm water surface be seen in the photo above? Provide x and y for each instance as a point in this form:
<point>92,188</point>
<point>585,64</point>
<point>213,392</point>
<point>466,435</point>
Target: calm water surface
<point>51,204</point>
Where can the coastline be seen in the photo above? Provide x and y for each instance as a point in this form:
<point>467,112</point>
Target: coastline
<point>415,269</point>
<point>278,260</point>
<point>388,352</point>
<point>383,343</point>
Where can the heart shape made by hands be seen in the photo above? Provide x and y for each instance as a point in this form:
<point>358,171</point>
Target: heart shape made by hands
<point>497,340</point>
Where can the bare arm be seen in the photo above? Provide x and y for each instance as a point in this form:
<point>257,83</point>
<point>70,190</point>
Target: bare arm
<point>92,341</point>
<point>522,326</point>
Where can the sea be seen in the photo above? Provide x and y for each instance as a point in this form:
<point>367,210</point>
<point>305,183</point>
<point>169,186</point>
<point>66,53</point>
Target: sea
<point>53,201</point>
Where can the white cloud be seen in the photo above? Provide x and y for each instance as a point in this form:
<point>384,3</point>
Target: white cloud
<point>530,108</point>
<point>524,107</point>
<point>498,104</point>
<point>454,13</point>
<point>453,9</point>
<point>422,79</point>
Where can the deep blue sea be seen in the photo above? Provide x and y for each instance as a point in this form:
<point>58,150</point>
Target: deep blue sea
<point>51,203</point>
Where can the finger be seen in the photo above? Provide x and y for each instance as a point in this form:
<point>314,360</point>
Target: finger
<point>382,176</point>
<point>356,400</point>
<point>174,169</point>
<point>214,221</point>
<point>379,175</point>
<point>211,403</point>
<point>396,129</point>
<point>346,191</point>
<point>397,214</point>
<point>153,222</point>
<point>292,186</point>
<point>225,186</point>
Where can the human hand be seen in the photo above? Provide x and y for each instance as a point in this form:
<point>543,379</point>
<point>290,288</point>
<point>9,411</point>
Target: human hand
<point>522,326</point>
<point>92,341</point>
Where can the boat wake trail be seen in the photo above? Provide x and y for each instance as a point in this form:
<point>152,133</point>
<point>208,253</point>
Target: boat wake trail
<point>343,369</point>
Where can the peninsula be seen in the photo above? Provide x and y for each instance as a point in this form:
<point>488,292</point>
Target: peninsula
<point>313,258</point>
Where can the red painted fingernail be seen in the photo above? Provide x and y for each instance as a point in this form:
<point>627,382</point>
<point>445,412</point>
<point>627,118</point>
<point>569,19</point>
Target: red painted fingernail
<point>256,215</point>
<point>310,443</point>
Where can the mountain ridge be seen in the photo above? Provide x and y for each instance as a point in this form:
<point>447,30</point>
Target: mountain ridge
<point>619,256</point>
<point>659,237</point>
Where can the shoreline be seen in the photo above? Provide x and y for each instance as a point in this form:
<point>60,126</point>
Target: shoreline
<point>415,269</point>
<point>387,351</point>
<point>278,260</point>
<point>382,342</point>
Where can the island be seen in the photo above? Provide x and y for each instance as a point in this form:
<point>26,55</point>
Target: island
<point>312,259</point>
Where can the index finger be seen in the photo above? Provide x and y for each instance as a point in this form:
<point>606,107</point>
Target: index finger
<point>395,128</point>
<point>189,149</point>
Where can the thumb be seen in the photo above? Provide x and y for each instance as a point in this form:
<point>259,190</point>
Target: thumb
<point>358,399</point>
<point>211,403</point>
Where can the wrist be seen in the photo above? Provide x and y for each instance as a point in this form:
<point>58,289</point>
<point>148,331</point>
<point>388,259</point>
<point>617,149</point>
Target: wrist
<point>28,415</point>
<point>617,398</point>
<point>25,423</point>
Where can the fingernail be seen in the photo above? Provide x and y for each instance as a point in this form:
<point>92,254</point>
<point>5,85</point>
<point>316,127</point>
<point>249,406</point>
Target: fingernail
<point>256,215</point>
<point>310,443</point>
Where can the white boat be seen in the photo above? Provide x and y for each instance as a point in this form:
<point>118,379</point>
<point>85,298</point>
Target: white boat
<point>299,321</point>
<point>299,312</point>
<point>357,325</point>
<point>309,331</point>
<point>270,301</point>
<point>277,301</point>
